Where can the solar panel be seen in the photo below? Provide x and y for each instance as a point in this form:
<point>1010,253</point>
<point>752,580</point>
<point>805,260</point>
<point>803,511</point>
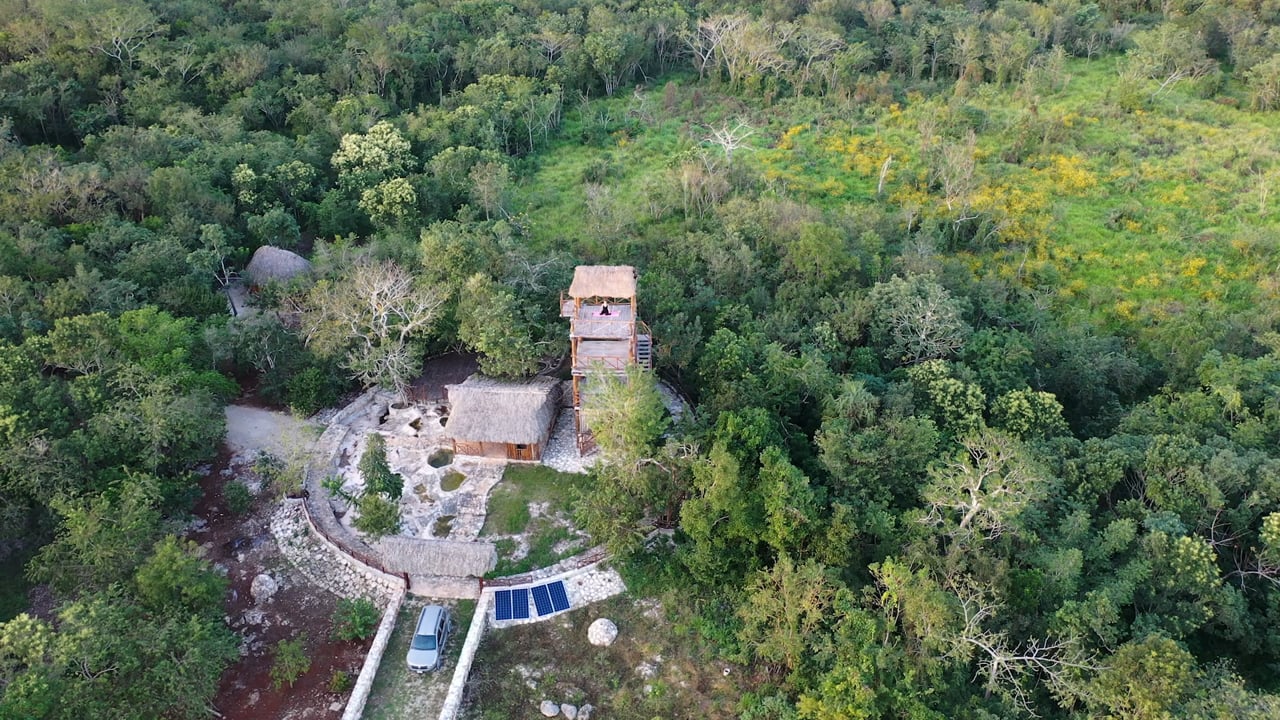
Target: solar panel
<point>520,603</point>
<point>559,598</point>
<point>502,605</point>
<point>542,599</point>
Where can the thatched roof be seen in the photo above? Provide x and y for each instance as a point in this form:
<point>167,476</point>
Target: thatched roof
<point>273,263</point>
<point>487,410</point>
<point>449,558</point>
<point>605,281</point>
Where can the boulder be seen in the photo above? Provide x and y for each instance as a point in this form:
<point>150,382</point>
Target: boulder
<point>549,709</point>
<point>584,712</point>
<point>602,632</point>
<point>569,711</point>
<point>263,588</point>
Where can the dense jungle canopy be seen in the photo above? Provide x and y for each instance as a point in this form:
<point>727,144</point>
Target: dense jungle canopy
<point>976,305</point>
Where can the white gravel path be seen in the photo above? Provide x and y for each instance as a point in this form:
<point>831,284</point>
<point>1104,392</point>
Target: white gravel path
<point>251,430</point>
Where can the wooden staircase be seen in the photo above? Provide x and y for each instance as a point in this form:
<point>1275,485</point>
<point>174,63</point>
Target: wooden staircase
<point>644,351</point>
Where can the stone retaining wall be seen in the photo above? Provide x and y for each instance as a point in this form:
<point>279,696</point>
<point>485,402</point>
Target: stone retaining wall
<point>394,583</point>
<point>364,683</point>
<point>479,621</point>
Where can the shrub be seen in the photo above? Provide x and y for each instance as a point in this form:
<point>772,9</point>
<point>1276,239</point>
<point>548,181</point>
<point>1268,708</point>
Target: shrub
<point>291,662</point>
<point>285,478</point>
<point>377,474</point>
<point>238,497</point>
<point>355,619</point>
<point>378,515</point>
<point>310,391</point>
<point>340,681</point>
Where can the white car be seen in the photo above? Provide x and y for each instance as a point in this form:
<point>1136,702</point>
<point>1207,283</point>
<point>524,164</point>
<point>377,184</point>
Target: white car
<point>429,638</point>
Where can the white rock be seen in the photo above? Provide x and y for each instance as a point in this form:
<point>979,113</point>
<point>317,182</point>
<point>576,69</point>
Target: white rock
<point>569,711</point>
<point>549,709</point>
<point>263,588</point>
<point>602,632</point>
<point>584,712</point>
<point>335,707</point>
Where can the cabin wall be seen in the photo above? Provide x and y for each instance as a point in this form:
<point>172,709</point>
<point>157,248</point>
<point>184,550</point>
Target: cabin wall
<point>498,451</point>
<point>528,452</point>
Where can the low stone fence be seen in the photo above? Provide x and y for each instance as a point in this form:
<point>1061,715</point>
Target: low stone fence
<point>364,683</point>
<point>569,564</point>
<point>479,621</point>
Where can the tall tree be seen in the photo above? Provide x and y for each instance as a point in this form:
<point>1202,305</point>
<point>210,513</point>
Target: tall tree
<point>375,317</point>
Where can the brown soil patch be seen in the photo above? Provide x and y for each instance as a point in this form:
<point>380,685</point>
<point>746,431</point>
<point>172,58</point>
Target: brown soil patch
<point>448,369</point>
<point>244,545</point>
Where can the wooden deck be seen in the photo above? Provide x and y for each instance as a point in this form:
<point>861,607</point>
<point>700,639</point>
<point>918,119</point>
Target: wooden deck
<point>611,354</point>
<point>590,324</point>
<point>617,311</point>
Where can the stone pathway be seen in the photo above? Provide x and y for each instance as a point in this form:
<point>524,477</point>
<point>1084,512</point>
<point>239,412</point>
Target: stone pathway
<point>444,497</point>
<point>562,448</point>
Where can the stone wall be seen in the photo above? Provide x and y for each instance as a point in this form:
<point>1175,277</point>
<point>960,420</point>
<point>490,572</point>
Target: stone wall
<point>396,583</point>
<point>479,621</point>
<point>364,683</point>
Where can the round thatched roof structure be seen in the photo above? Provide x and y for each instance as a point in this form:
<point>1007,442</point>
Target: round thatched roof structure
<point>275,264</point>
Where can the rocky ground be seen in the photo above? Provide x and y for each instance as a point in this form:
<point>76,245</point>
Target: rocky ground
<point>282,585</point>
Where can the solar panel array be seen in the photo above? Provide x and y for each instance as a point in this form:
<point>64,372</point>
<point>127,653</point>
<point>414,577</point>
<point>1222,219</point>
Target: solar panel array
<point>542,599</point>
<point>559,598</point>
<point>514,604</point>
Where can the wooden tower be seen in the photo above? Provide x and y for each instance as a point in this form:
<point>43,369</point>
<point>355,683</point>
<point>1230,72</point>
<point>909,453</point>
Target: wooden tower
<point>605,332</point>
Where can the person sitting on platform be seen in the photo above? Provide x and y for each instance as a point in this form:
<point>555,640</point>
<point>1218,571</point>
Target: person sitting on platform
<point>604,310</point>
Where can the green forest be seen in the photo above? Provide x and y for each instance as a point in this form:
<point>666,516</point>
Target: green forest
<point>977,307</point>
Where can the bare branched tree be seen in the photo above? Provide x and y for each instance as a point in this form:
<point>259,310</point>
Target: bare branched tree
<point>981,492</point>
<point>374,316</point>
<point>730,139</point>
<point>123,32</point>
<point>705,41</point>
<point>1006,667</point>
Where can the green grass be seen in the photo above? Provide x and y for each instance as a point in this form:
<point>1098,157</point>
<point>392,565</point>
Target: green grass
<point>543,536</point>
<point>442,526</point>
<point>508,504</point>
<point>1130,213</point>
<point>398,694</point>
<point>688,681</point>
<point>508,514</point>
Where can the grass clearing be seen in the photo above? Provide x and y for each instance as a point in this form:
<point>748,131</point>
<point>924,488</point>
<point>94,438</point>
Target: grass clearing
<point>398,694</point>
<point>1129,211</point>
<point>534,502</point>
<point>521,485</point>
<point>685,679</point>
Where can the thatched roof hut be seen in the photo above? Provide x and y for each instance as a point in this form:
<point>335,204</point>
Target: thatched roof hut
<point>502,419</point>
<point>603,281</point>
<point>273,264</point>
<point>448,558</point>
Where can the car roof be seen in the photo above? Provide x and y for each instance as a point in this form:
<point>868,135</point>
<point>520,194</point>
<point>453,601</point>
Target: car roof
<point>428,618</point>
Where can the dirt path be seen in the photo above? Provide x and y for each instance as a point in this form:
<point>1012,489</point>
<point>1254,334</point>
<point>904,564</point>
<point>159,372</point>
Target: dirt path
<point>252,430</point>
<point>244,548</point>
